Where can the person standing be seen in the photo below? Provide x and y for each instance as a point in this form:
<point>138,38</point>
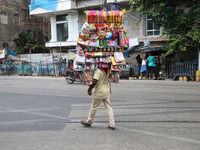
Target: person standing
<point>139,61</point>
<point>102,92</point>
<point>151,65</point>
<point>143,70</point>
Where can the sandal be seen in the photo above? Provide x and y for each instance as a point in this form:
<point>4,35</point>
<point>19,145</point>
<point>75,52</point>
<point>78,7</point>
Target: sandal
<point>85,124</point>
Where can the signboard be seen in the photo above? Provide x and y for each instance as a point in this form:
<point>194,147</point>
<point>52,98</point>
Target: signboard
<point>2,53</point>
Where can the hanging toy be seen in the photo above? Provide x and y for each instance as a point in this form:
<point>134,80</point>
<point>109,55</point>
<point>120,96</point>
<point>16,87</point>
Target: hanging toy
<point>82,42</point>
<point>79,50</point>
<point>91,16</point>
<point>93,36</point>
<point>114,34</point>
<point>121,38</point>
<point>94,42</point>
<point>85,35</point>
<point>101,33</point>
<point>125,36</point>
<point>108,34</point>
<point>102,43</point>
<point>93,28</point>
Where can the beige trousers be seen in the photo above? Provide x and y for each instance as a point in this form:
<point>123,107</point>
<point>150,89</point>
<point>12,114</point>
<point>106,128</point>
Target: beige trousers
<point>94,106</point>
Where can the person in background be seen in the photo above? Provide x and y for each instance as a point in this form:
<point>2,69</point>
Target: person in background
<point>127,64</point>
<point>71,62</point>
<point>143,70</point>
<point>139,60</point>
<point>151,66</point>
<point>157,67</point>
<point>102,93</point>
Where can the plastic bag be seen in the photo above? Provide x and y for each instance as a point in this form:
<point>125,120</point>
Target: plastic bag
<point>119,57</point>
<point>80,59</point>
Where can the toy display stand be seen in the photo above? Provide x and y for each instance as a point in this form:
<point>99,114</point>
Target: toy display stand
<point>101,43</point>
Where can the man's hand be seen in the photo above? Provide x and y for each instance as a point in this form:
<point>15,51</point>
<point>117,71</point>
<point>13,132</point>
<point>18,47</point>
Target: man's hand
<point>91,86</point>
<point>89,92</point>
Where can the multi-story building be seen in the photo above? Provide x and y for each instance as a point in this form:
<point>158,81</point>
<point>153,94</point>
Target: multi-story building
<point>67,18</point>
<point>15,18</point>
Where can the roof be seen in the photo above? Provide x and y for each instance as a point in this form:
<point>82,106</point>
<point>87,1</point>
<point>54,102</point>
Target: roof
<point>145,49</point>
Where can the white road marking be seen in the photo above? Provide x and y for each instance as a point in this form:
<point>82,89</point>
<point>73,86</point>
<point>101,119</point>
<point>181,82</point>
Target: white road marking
<point>160,135</point>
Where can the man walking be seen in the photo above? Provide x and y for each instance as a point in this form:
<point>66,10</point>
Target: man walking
<point>102,93</point>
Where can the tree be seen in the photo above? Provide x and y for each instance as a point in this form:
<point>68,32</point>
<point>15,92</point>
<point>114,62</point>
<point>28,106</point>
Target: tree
<point>180,28</point>
<point>24,43</point>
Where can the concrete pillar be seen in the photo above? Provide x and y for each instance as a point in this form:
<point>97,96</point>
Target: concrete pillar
<point>142,27</point>
<point>53,29</point>
<point>73,27</point>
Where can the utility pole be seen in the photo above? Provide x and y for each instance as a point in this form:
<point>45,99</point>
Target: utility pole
<point>60,47</point>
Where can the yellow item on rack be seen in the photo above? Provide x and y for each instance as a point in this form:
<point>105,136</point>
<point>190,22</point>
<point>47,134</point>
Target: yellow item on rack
<point>114,63</point>
<point>86,15</point>
<point>105,14</point>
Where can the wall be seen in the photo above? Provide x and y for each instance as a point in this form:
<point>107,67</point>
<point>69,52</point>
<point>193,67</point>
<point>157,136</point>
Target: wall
<point>39,26</point>
<point>189,55</point>
<point>37,58</point>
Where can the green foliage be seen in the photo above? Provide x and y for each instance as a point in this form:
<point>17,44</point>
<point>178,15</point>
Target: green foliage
<point>24,43</point>
<point>180,29</point>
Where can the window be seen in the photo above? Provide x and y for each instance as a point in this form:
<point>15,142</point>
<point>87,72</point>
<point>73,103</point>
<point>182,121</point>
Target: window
<point>16,1</point>
<point>4,19</point>
<point>30,33</point>
<point>62,27</point>
<point>150,27</point>
<point>16,19</point>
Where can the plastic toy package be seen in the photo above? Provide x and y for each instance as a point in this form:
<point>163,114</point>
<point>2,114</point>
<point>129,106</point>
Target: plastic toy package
<point>101,43</point>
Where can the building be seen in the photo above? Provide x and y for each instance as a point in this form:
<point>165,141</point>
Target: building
<point>15,18</point>
<point>67,18</point>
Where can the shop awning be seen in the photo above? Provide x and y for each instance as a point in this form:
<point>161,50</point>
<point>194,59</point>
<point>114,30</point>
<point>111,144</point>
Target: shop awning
<point>145,49</point>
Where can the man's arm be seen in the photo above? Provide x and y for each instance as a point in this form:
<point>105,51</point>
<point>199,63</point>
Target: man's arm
<point>94,82</point>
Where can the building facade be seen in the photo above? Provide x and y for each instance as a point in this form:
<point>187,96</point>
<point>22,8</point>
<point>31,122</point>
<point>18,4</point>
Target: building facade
<point>15,18</point>
<point>67,18</point>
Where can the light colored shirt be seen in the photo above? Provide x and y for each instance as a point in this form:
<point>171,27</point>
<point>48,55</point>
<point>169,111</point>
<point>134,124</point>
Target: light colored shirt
<point>102,88</point>
<point>150,61</point>
<point>144,62</point>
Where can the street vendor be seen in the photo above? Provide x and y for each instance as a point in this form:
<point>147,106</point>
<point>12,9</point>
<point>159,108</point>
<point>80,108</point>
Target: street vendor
<point>102,93</point>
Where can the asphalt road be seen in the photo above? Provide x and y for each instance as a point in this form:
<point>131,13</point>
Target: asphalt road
<point>44,113</point>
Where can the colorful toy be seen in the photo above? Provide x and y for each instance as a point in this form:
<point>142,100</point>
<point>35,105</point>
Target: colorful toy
<point>121,38</point>
<point>101,42</point>
<point>101,33</point>
<point>85,34</point>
